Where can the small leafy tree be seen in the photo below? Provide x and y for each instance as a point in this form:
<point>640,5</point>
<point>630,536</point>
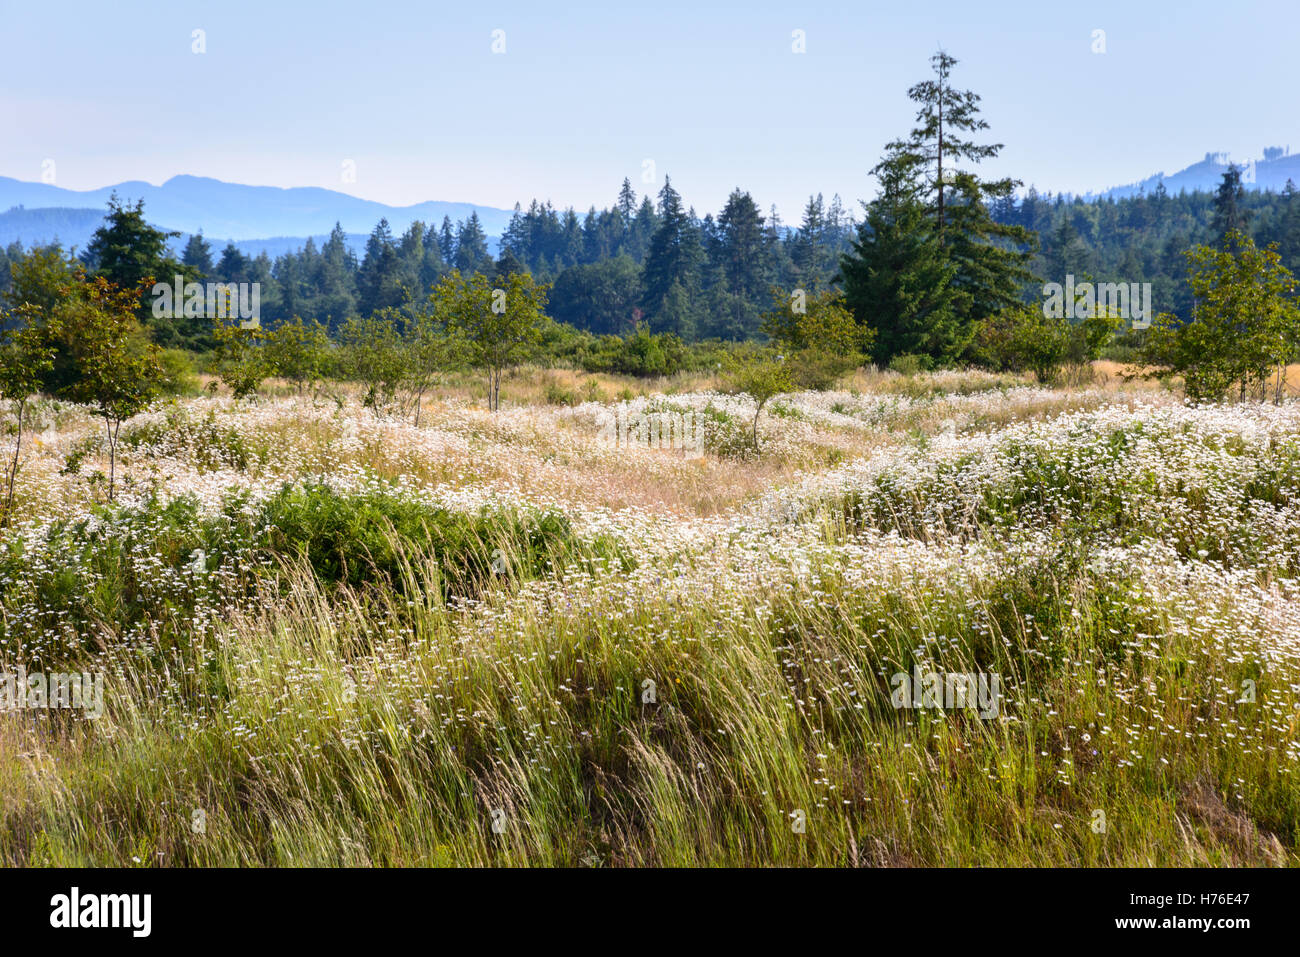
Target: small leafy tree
<point>762,377</point>
<point>818,336</point>
<point>430,353</point>
<point>1092,334</point>
<point>119,371</point>
<point>26,353</point>
<point>375,356</point>
<point>1026,338</point>
<point>499,326</point>
<point>1245,323</point>
<point>1038,342</point>
<point>297,351</point>
<point>241,363</point>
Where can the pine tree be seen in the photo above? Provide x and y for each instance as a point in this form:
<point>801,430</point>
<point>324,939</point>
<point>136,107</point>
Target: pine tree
<point>233,266</point>
<point>447,241</point>
<point>379,279</point>
<point>433,265</point>
<point>674,259</point>
<point>1230,214</point>
<point>626,206</point>
<point>990,257</point>
<point>808,249</point>
<point>897,279</point>
<point>198,256</point>
<point>336,282</point>
<point>471,247</point>
<point>1288,234</point>
<point>744,246</point>
<point>125,250</point>
<point>644,226</point>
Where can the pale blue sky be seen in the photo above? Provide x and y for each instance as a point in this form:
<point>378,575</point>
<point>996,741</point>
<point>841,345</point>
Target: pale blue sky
<point>584,93</point>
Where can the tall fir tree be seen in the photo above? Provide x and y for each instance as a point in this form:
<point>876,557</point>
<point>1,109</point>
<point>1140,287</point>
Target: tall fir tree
<point>126,250</point>
<point>991,257</point>
<point>379,280</point>
<point>471,248</point>
<point>198,255</point>
<point>1230,213</point>
<point>447,241</point>
<point>898,279</point>
<point>674,259</point>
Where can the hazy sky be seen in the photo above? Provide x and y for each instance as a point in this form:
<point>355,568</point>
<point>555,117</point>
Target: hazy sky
<point>413,94</point>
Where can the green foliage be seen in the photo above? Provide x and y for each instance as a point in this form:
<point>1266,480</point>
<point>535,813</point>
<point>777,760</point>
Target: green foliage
<point>643,353</point>
<point>178,373</point>
<point>131,254</point>
<point>908,364</point>
<point>931,262</point>
<point>1245,323</point>
<point>241,362</point>
<point>599,297</point>
<point>762,378</point>
<point>556,394</point>
<point>298,351</point>
<point>817,335</point>
<point>129,571</point>
<point>27,353</point>
<point>379,538</point>
<point>430,353</point>
<point>498,327</point>
<point>1038,343</point>
<point>117,369</point>
<point>1026,339</point>
<point>374,354</point>
<point>897,280</point>
<point>671,277</point>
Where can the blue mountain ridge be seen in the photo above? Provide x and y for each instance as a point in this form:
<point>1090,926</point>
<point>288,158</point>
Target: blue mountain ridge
<point>1270,172</point>
<point>255,218</point>
<point>276,220</point>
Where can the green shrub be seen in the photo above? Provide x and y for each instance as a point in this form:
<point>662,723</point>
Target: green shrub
<point>179,377</point>
<point>355,539</point>
<point>152,575</point>
<point>557,394</point>
<point>909,365</point>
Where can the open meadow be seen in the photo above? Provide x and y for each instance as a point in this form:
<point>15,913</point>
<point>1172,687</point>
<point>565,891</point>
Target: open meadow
<point>329,636</point>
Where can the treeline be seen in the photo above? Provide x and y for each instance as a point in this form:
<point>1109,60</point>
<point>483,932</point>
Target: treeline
<point>651,262</point>
<point>1144,238</point>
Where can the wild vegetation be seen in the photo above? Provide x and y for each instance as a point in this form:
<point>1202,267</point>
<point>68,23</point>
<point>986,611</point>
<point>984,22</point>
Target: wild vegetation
<point>446,581</point>
<point>343,638</point>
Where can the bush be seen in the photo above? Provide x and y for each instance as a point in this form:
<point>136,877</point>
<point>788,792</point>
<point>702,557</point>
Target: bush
<point>641,354</point>
<point>152,575</point>
<point>557,394</point>
<point>356,539</point>
<point>179,376</point>
<point>909,364</point>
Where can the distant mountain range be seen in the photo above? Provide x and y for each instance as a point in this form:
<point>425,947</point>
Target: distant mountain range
<point>275,220</point>
<point>255,218</point>
<point>1270,172</point>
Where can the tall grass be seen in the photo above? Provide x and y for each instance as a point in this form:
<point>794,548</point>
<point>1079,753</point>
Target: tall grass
<point>313,673</point>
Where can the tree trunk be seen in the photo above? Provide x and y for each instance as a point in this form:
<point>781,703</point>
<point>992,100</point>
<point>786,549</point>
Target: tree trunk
<point>112,454</point>
<point>939,156</point>
<point>13,469</point>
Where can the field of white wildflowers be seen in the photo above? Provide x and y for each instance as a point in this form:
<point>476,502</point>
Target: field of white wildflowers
<point>330,637</point>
